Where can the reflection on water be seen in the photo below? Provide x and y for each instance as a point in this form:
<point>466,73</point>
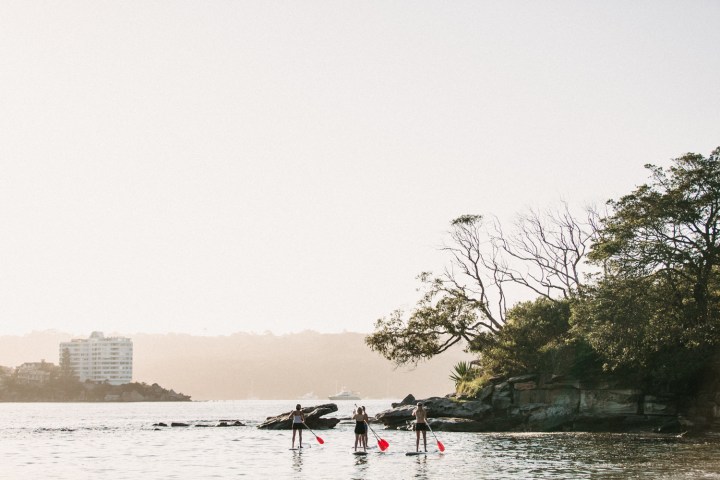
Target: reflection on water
<point>297,461</point>
<point>71,441</point>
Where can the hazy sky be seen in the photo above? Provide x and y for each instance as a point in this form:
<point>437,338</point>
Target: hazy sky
<point>219,166</point>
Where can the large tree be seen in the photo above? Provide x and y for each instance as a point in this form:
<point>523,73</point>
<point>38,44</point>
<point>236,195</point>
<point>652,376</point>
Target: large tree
<point>656,310</point>
<point>670,229</point>
<point>469,300</point>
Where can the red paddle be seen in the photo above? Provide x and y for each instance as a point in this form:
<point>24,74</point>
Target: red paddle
<point>320,440</point>
<point>441,447</point>
<point>382,443</point>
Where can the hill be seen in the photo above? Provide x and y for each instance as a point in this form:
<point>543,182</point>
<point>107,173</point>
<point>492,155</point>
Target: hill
<point>266,366</point>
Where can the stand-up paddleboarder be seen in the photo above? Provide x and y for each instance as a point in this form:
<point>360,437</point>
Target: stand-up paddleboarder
<point>298,423</point>
<point>367,425</point>
<point>421,425</point>
<point>359,418</point>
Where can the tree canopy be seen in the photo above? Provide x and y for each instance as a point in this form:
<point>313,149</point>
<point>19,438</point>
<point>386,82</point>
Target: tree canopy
<point>651,305</point>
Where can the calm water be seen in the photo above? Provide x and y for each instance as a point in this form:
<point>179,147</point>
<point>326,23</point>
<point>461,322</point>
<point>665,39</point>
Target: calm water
<point>117,441</point>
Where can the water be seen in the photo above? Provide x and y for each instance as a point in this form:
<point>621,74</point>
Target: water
<point>117,440</point>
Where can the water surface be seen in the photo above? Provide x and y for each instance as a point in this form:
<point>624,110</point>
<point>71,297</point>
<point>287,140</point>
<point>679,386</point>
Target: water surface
<point>118,441</point>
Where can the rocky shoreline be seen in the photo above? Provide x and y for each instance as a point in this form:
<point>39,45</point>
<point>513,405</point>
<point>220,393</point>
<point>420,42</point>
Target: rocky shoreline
<point>530,403</point>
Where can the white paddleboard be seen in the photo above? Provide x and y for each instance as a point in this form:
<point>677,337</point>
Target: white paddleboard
<point>359,453</point>
<point>416,453</point>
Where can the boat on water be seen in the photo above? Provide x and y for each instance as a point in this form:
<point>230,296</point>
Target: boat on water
<point>345,394</point>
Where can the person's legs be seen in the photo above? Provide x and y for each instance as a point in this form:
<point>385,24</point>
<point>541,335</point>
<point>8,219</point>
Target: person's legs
<point>293,441</point>
<point>300,436</point>
<point>425,440</point>
<point>417,438</point>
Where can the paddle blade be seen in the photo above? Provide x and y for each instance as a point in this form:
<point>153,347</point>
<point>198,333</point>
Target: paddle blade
<point>321,441</point>
<point>441,446</point>
<point>383,444</point>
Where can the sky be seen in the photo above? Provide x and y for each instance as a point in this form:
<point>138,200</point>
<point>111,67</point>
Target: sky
<point>217,167</point>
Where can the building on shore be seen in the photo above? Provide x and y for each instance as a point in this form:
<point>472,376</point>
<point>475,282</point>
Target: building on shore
<point>35,373</point>
<point>99,358</point>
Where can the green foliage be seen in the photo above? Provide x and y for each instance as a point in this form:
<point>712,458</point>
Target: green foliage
<point>670,229</point>
<point>463,372</point>
<point>432,328</point>
<point>653,314</point>
<point>471,388</point>
<point>657,309</point>
<point>535,339</point>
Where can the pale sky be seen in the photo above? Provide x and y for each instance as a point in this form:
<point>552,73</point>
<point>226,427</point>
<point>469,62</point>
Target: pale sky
<point>211,167</point>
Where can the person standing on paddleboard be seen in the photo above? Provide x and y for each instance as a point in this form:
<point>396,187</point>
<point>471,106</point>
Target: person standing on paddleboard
<point>359,418</point>
<point>421,425</point>
<point>366,425</point>
<point>298,423</point>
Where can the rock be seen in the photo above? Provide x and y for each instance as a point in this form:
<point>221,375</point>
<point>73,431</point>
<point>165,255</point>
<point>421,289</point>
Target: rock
<point>409,400</point>
<point>445,407</point>
<point>437,407</point>
<point>609,402</point>
<point>522,378</point>
<point>456,425</point>
<point>525,386</point>
<point>229,423</point>
<point>673,426</point>
<point>653,405</point>
<point>161,424</point>
<point>550,418</point>
<point>486,391</point>
<point>313,418</point>
<point>551,395</point>
<point>179,424</point>
<point>501,400</point>
<point>397,416</point>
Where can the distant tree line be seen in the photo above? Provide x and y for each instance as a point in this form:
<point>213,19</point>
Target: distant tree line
<point>633,289</point>
<point>62,385</point>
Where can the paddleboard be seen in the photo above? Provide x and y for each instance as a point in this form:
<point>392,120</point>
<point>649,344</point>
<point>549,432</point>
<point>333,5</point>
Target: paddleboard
<point>416,453</point>
<point>359,453</point>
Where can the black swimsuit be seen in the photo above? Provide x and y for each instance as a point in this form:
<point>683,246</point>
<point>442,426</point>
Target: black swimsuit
<point>359,428</point>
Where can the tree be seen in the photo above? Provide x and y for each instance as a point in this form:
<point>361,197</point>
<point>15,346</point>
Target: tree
<point>469,299</point>
<point>670,228</point>
<point>535,339</point>
<point>67,373</point>
<point>657,308</point>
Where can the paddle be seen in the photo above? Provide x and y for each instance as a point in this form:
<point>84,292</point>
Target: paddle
<point>441,447</point>
<point>320,440</point>
<point>382,443</point>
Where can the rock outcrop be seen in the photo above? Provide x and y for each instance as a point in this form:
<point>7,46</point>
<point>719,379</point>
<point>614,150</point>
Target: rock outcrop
<point>313,418</point>
<point>533,403</point>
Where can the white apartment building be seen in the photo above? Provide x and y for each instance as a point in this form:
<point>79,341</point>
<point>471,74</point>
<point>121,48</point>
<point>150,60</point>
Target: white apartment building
<point>100,359</point>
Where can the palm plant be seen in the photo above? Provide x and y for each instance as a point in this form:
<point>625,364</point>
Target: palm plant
<point>463,372</point>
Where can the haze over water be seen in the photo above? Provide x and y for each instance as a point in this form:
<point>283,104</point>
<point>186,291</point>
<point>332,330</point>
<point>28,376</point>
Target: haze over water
<point>118,441</point>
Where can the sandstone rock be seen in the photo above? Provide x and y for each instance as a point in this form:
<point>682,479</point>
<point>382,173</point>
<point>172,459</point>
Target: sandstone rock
<point>456,425</point>
<point>485,393</point>
<point>409,400</point>
<point>653,405</point>
<point>522,378</point>
<point>313,418</point>
<point>525,386</point>
<point>609,402</point>
<point>551,395</point>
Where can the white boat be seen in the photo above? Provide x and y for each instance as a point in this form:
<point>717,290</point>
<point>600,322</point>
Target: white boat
<point>345,394</point>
